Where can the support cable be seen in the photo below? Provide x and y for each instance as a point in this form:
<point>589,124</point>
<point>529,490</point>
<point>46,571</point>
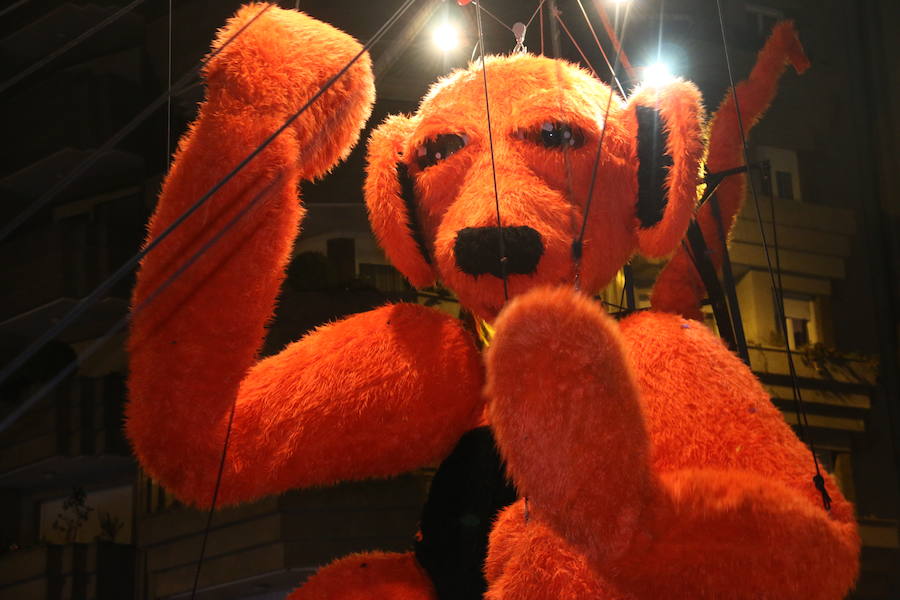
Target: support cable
<point>123,270</point>
<point>478,6</point>
<point>612,72</point>
<point>97,293</point>
<point>578,245</point>
<point>557,53</point>
<point>487,109</point>
<point>384,28</point>
<point>611,32</point>
<point>117,137</point>
<point>577,47</point>
<point>541,8</point>
<point>215,497</point>
<point>169,96</point>
<point>89,351</point>
<point>13,7</point>
<point>802,421</point>
<point>68,45</point>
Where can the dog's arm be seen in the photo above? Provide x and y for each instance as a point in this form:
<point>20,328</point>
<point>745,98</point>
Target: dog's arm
<point>376,394</point>
<point>371,390</point>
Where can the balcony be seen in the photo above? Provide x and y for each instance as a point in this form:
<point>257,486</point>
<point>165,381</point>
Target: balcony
<point>274,544</point>
<point>96,571</point>
<point>75,434</point>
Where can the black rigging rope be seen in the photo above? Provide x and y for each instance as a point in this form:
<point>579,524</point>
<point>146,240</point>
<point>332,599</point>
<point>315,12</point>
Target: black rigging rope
<point>802,421</point>
<point>117,137</point>
<point>487,108</point>
<point>68,45</point>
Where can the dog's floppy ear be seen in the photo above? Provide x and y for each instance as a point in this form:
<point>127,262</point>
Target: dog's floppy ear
<point>391,199</point>
<point>668,125</point>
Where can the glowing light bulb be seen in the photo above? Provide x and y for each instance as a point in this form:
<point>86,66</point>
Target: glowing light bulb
<point>657,74</point>
<point>446,37</point>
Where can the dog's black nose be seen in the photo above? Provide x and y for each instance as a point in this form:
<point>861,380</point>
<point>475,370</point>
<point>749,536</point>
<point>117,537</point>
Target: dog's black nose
<point>477,250</point>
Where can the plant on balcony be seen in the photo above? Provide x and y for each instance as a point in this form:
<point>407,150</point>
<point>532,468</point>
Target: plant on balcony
<point>110,526</point>
<point>824,360</point>
<point>75,513</point>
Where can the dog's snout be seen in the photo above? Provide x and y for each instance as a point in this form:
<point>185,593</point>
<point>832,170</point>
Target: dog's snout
<point>477,250</point>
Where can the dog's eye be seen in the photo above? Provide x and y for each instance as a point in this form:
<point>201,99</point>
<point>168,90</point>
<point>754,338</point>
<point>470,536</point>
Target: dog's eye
<point>555,135</point>
<point>439,148</point>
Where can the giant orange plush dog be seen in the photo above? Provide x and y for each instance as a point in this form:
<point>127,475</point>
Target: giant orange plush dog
<point>649,461</point>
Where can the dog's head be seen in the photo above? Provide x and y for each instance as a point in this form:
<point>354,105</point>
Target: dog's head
<point>437,194</point>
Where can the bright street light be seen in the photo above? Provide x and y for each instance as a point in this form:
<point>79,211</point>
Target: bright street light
<point>657,74</point>
<point>446,37</point>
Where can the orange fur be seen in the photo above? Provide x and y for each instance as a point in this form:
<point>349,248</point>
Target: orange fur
<point>369,576</point>
<point>679,288</point>
<point>653,461</point>
<point>190,351</point>
<point>682,109</point>
<point>387,212</point>
<point>533,185</point>
<point>683,482</point>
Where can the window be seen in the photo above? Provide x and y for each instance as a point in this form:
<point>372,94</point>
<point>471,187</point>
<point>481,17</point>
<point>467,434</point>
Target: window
<point>761,19</point>
<point>383,278</point>
<point>341,253</point>
<point>800,316</point>
<point>709,318</point>
<point>779,176</point>
<point>784,184</point>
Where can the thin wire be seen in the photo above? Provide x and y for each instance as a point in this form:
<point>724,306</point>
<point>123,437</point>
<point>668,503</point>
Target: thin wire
<point>212,507</point>
<point>612,71</point>
<point>117,137</point>
<point>557,53</point>
<point>578,246</point>
<point>69,45</point>
<point>779,298</point>
<point>539,9</point>
<point>123,270</point>
<point>802,420</point>
<point>577,47</point>
<point>384,28</point>
<point>542,28</point>
<point>229,427</point>
<point>13,7</point>
<point>169,98</point>
<point>85,354</point>
<point>491,15</point>
<point>487,109</point>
